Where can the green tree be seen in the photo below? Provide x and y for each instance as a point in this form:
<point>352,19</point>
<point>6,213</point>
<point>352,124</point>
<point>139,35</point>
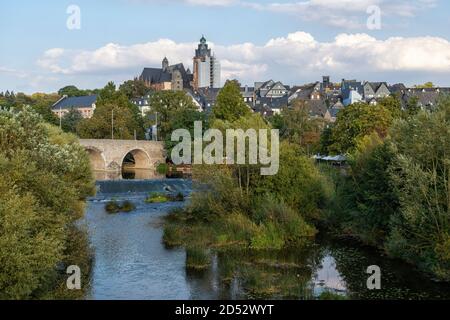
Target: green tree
<point>394,105</point>
<point>45,178</point>
<point>71,91</point>
<point>184,119</point>
<point>298,183</point>
<point>420,176</point>
<point>168,105</point>
<point>357,121</point>
<point>298,127</point>
<point>425,85</point>
<point>70,120</point>
<point>230,104</point>
<point>371,200</point>
<point>113,107</point>
<point>412,106</point>
<point>134,88</point>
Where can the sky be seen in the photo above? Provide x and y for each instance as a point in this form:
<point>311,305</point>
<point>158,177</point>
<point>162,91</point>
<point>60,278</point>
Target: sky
<point>46,45</point>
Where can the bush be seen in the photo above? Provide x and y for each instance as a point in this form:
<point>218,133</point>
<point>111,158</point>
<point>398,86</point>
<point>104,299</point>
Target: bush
<point>112,207</point>
<point>329,295</point>
<point>172,236</point>
<point>162,168</point>
<point>157,198</point>
<point>45,178</point>
<point>127,206</point>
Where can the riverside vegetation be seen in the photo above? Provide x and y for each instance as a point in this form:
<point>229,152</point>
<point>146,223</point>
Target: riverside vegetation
<point>239,208</point>
<point>394,194</point>
<point>45,178</point>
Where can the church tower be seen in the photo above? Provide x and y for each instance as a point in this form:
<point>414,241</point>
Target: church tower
<point>206,67</point>
<point>165,64</point>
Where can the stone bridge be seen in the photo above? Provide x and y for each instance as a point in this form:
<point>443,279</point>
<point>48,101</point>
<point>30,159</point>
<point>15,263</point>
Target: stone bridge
<point>109,155</point>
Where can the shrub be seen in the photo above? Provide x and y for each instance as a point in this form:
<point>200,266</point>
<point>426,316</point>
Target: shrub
<point>157,198</point>
<point>172,236</point>
<point>269,236</point>
<point>127,206</point>
<point>329,295</point>
<point>112,206</point>
<point>162,168</point>
<point>45,178</point>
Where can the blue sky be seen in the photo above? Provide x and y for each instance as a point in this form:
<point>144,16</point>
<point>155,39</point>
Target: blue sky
<point>288,40</point>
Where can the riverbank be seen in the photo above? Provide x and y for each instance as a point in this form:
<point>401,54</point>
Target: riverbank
<point>132,262</point>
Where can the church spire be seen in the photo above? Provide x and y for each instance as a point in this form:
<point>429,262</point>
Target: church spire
<point>165,64</point>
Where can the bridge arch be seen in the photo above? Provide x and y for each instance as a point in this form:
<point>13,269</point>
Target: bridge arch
<point>97,159</point>
<point>140,158</point>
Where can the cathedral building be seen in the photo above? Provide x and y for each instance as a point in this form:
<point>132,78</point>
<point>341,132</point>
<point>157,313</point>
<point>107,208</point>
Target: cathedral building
<point>206,67</point>
<point>168,77</point>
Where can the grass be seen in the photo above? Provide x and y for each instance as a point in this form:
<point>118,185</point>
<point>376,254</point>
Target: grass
<point>197,258</point>
<point>329,295</point>
<point>157,197</point>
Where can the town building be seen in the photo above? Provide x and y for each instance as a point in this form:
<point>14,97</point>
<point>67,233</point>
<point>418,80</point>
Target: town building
<point>271,89</point>
<point>206,67</point>
<point>426,98</point>
<point>248,94</point>
<point>144,103</point>
<point>168,77</point>
<point>85,105</point>
<point>375,90</point>
<point>207,98</point>
<point>352,91</point>
<point>334,110</point>
<point>305,92</point>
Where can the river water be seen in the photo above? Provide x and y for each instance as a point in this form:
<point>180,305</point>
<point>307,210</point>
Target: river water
<point>131,262</point>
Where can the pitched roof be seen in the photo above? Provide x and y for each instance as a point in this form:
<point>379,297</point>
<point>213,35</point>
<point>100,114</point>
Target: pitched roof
<point>334,111</point>
<point>158,75</point>
<point>273,103</point>
<point>317,107</point>
<point>75,102</point>
<point>155,75</point>
<point>426,98</point>
<point>398,87</point>
<point>376,85</point>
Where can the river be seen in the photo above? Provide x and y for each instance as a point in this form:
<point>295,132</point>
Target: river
<point>131,262</point>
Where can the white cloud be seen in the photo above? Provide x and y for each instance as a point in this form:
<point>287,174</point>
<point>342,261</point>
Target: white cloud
<point>294,57</point>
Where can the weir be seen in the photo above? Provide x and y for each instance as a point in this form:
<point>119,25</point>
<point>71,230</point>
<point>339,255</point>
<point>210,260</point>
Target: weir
<point>143,186</point>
